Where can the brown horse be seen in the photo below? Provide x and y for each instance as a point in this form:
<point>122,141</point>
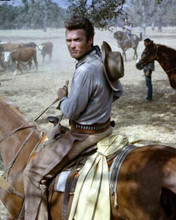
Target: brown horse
<point>125,43</point>
<point>166,56</point>
<point>146,186</point>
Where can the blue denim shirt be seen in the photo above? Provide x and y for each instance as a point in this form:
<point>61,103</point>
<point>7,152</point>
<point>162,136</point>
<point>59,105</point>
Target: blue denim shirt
<point>90,98</point>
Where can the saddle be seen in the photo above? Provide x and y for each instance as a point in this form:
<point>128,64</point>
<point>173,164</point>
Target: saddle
<point>67,180</point>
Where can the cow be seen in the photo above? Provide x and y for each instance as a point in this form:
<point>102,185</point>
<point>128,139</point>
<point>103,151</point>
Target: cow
<point>9,46</point>
<point>46,48</point>
<point>21,55</point>
<point>30,44</point>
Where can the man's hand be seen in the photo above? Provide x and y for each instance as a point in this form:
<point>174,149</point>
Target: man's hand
<point>148,72</point>
<point>62,92</point>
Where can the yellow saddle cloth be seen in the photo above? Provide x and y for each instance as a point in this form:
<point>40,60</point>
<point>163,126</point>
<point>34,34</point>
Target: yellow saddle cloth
<point>92,198</point>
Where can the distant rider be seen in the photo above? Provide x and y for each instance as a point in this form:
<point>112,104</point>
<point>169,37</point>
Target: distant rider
<point>128,31</point>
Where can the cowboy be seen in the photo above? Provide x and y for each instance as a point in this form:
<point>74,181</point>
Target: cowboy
<point>128,31</point>
<point>95,85</point>
<point>148,69</point>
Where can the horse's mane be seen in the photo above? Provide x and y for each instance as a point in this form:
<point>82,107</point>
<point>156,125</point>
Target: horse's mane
<point>167,49</point>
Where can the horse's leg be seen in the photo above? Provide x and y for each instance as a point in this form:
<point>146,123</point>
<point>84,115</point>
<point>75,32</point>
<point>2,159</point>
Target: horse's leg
<point>135,53</point>
<point>124,55</point>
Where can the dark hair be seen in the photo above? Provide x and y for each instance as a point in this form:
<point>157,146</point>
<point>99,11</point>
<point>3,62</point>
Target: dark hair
<point>147,40</point>
<point>77,22</point>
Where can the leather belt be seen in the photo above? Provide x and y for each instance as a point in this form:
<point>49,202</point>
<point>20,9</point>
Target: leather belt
<point>90,129</point>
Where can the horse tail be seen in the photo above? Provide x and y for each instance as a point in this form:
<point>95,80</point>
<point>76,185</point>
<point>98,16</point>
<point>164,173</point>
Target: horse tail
<point>168,202</point>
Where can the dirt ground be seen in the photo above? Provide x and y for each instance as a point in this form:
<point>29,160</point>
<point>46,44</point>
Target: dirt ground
<point>150,122</point>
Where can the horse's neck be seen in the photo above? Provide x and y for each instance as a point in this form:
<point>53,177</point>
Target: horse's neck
<point>9,146</point>
<point>166,57</point>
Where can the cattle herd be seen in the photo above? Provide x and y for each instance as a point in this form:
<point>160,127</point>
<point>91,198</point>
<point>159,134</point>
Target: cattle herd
<point>15,56</point>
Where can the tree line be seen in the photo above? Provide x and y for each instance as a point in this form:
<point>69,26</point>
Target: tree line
<point>32,15</point>
<point>37,14</point>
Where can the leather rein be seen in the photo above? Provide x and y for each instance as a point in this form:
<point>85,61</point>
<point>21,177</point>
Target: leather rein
<point>4,178</point>
<point>21,127</point>
<point>24,125</point>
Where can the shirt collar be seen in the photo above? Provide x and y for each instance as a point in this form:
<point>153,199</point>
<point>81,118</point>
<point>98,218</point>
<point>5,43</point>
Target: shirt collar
<point>87,56</point>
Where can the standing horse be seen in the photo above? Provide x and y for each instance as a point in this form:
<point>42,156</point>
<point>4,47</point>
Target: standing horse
<point>125,43</point>
<point>166,57</point>
<point>146,187</point>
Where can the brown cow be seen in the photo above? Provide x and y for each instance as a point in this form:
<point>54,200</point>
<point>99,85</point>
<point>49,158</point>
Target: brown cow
<point>30,44</point>
<point>46,48</point>
<point>26,55</point>
<point>9,46</point>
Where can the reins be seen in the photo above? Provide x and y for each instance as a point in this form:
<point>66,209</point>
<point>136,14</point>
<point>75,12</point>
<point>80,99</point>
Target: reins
<point>23,126</point>
<point>4,178</point>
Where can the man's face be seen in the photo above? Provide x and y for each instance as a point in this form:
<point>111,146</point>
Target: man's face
<point>146,43</point>
<point>77,43</point>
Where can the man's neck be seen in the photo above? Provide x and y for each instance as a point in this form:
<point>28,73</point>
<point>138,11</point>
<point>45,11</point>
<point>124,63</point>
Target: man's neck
<point>88,52</point>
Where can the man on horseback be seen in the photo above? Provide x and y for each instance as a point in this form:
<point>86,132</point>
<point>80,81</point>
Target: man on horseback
<point>128,32</point>
<point>95,85</point>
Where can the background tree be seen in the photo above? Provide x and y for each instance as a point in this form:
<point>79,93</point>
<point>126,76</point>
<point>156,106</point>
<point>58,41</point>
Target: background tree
<point>31,14</point>
<point>100,12</point>
<point>151,13</point>
<point>103,13</point>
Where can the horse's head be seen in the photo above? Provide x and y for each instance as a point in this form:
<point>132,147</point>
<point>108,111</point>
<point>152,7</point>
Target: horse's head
<point>148,55</point>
